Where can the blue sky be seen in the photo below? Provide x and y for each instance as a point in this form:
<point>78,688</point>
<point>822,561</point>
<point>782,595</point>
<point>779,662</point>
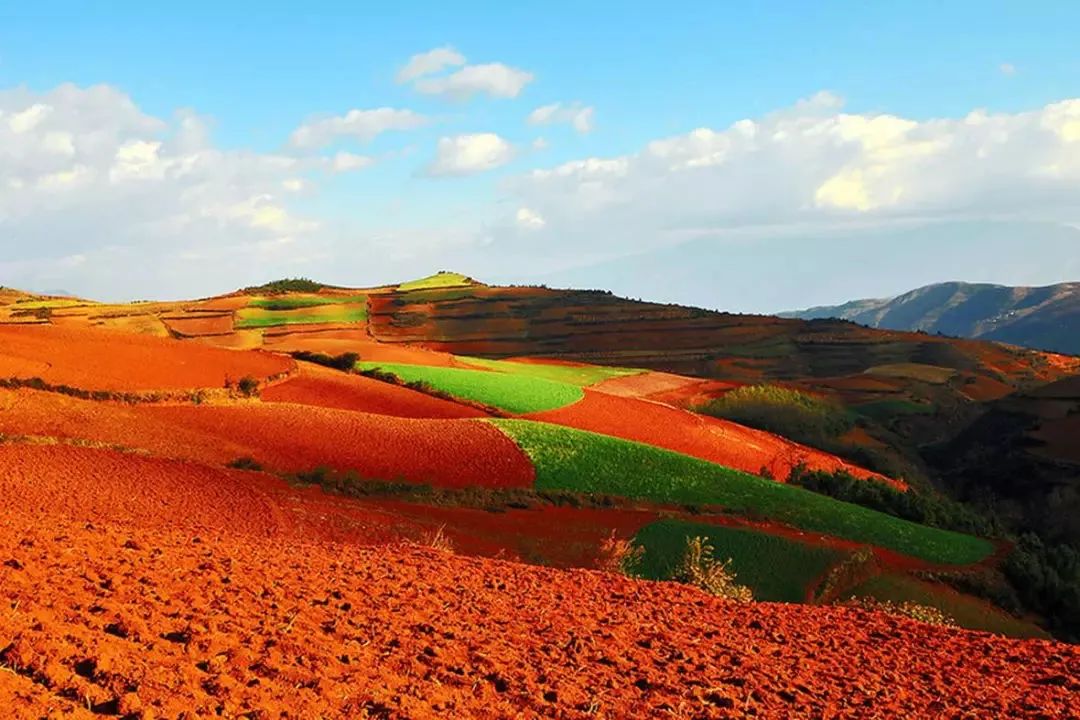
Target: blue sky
<point>255,72</point>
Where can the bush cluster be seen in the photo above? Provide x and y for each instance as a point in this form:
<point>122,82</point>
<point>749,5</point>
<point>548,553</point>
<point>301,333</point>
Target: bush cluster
<point>699,568</point>
<point>915,611</point>
<point>923,508</point>
<point>1047,579</point>
<point>799,416</point>
<point>345,361</point>
<point>286,285</point>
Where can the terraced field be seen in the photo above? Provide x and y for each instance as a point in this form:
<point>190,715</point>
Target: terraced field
<point>570,373</point>
<point>569,459</point>
<point>513,393</point>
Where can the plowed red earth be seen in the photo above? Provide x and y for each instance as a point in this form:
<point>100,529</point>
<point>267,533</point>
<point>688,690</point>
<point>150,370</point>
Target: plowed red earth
<point>324,387</point>
<point>144,616</point>
<point>350,339</point>
<point>283,437</point>
<point>708,438</point>
<point>95,359</point>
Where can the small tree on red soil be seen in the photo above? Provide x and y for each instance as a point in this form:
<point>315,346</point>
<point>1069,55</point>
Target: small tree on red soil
<point>699,568</point>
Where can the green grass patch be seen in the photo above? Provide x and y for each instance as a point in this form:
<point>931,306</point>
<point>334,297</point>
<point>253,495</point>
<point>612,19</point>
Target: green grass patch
<point>968,612</point>
<point>519,394</point>
<point>884,410</point>
<point>260,318</point>
<point>438,280</point>
<point>296,302</point>
<point>580,376</point>
<point>775,568</point>
<point>580,461</point>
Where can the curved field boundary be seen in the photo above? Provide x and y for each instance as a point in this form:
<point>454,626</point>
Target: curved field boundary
<point>713,439</point>
<point>580,461</point>
<point>570,373</point>
<point>324,387</point>
<point>775,568</point>
<point>318,315</point>
<point>518,394</point>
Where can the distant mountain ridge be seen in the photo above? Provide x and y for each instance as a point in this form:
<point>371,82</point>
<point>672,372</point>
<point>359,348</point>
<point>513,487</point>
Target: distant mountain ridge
<point>1044,318</point>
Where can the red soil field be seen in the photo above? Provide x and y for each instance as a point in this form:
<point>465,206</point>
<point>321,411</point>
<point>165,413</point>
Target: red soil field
<point>283,437</point>
<point>646,384</point>
<point>195,324</point>
<point>446,453</point>
<point>336,341</point>
<point>712,439</point>
<point>103,618</point>
<point>324,387</point>
<point>96,359</point>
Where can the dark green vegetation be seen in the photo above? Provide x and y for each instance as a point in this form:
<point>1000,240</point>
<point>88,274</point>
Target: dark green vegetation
<point>345,362</point>
<point>885,410</point>
<point>286,285</point>
<point>775,568</point>
<point>582,376</point>
<point>798,416</point>
<point>1047,578</point>
<point>924,508</point>
<point>518,394</point>
<point>569,459</point>
<point>966,611</point>
<point>1046,318</point>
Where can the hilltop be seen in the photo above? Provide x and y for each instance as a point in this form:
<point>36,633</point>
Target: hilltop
<point>1044,318</point>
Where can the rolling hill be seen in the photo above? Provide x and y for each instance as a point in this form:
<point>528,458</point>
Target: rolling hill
<point>253,497</point>
<point>1044,318</point>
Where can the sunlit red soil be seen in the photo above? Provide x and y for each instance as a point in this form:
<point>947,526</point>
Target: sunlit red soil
<point>97,359</point>
<point>708,438</point>
<point>148,615</point>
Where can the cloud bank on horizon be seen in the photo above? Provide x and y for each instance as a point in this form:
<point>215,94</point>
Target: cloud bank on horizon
<point>105,198</point>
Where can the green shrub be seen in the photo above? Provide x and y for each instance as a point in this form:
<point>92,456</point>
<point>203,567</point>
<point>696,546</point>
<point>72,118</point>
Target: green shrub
<point>345,361</point>
<point>1047,578</point>
<point>923,508</point>
<point>699,568</point>
<point>245,463</point>
<point>248,386</point>
<point>287,285</point>
<point>799,416</point>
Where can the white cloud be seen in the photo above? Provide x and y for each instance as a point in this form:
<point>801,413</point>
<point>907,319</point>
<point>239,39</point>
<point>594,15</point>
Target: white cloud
<point>576,115</point>
<point>85,174</point>
<point>539,144</point>
<point>1007,69</point>
<point>427,63</point>
<point>812,166</point>
<point>469,154</point>
<point>529,219</point>
<point>493,79</point>
<point>347,162</point>
<point>362,125</point>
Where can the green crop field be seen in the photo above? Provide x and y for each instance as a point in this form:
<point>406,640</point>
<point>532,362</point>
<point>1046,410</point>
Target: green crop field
<point>260,318</point>
<point>967,611</point>
<point>775,568</point>
<point>517,394</point>
<point>580,461</point>
<point>438,280</point>
<point>580,376</point>
<point>297,302</point>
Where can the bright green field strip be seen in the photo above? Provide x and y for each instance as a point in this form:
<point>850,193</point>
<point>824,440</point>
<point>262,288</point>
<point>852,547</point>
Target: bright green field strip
<point>259,318</point>
<point>968,612</point>
<point>580,376</point>
<point>580,461</point>
<point>309,301</point>
<point>775,568</point>
<point>438,280</point>
<point>517,394</point>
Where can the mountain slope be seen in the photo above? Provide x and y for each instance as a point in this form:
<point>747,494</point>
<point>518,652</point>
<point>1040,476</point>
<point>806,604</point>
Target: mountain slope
<point>1046,318</point>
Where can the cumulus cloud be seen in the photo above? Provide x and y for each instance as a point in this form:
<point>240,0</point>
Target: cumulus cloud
<point>492,79</point>
<point>469,154</point>
<point>576,115</point>
<point>361,125</point>
<point>529,219</point>
<point>427,63</point>
<point>84,174</point>
<point>810,166</point>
